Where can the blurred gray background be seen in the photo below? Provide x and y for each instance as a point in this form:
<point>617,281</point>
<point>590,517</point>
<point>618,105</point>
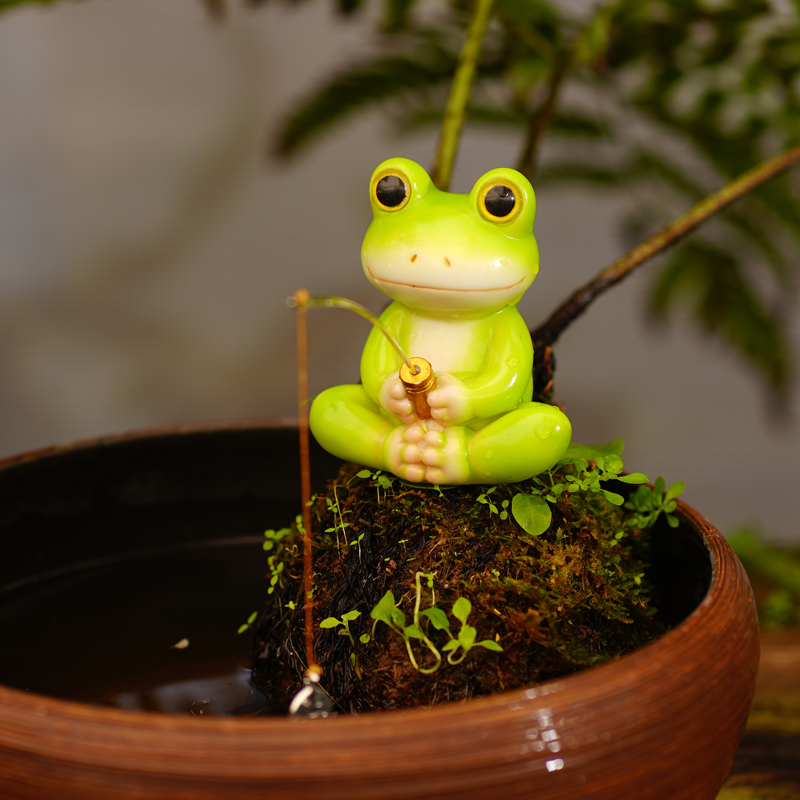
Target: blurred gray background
<point>147,246</point>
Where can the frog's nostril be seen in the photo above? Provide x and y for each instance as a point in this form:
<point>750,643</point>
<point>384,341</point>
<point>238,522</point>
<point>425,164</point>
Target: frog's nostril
<point>413,258</point>
<point>447,261</point>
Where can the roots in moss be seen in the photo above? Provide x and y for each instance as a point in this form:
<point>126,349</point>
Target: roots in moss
<point>557,603</point>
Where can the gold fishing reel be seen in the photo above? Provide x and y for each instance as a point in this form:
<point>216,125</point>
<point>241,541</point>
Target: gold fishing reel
<point>418,381</point>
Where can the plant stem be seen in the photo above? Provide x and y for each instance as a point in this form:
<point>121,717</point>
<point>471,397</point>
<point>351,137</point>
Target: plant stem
<point>456,109</point>
<point>540,119</point>
<point>546,335</point>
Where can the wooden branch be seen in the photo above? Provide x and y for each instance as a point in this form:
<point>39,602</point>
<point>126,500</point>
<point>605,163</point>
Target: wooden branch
<point>546,335</point>
<point>540,119</point>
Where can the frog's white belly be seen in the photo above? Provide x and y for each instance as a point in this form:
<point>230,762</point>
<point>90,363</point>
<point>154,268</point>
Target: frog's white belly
<point>454,346</point>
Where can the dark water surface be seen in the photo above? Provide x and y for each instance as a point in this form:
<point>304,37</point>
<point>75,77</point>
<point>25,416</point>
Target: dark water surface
<point>104,632</point>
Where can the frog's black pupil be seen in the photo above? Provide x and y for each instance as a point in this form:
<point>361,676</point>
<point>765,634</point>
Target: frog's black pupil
<point>500,201</point>
<point>391,191</point>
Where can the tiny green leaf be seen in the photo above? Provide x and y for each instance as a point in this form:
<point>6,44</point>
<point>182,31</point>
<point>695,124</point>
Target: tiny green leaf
<point>383,609</point>
<point>490,645</point>
<point>351,615</point>
<point>364,638</point>
<point>532,512</point>
<point>676,490</point>
<point>461,609</point>
<point>243,628</point>
<point>466,636</point>
<point>634,477</point>
<point>398,617</point>
<point>365,473</point>
<point>330,622</point>
<point>252,617</point>
<point>613,497</point>
<point>437,617</point>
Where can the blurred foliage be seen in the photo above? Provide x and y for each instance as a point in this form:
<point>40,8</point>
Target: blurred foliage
<point>775,574</point>
<point>7,4</point>
<point>664,100</point>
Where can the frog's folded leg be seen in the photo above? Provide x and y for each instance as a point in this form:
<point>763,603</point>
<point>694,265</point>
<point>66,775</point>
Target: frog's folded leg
<point>348,424</point>
<point>520,444</point>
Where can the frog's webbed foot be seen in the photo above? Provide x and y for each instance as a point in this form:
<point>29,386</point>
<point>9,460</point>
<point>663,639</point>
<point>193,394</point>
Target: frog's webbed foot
<point>425,451</point>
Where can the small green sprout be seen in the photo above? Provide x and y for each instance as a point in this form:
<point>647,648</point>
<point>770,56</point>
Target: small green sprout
<point>274,545</point>
<point>332,622</point>
<point>617,536</point>
<point>386,611</point>
<point>339,525</point>
<point>249,624</point>
<point>466,635</point>
<point>647,504</point>
<point>273,537</point>
<point>275,570</point>
<point>350,616</point>
<point>291,605</point>
<point>379,478</point>
<point>358,542</point>
<point>485,500</point>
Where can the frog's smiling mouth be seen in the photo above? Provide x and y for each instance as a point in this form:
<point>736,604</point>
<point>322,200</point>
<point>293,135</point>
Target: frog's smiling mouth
<point>445,288</point>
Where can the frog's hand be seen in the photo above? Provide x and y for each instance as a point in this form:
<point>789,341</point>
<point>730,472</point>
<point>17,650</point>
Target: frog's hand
<point>393,399</point>
<point>450,401</point>
<point>506,377</point>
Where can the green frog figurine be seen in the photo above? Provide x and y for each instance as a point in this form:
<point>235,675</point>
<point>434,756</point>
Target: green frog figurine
<point>455,265</point>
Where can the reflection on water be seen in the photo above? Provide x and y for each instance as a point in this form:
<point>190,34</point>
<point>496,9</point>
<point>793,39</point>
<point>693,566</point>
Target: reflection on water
<point>232,694</point>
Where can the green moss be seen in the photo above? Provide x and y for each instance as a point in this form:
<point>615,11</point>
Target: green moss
<point>556,603</point>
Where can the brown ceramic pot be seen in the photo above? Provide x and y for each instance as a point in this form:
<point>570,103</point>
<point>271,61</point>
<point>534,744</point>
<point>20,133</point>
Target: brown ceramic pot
<point>663,722</point>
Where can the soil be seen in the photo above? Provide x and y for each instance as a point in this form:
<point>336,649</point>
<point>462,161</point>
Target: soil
<point>542,606</point>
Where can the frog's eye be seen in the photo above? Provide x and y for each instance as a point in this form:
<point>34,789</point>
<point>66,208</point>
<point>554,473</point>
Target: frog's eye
<point>498,202</point>
<point>391,191</point>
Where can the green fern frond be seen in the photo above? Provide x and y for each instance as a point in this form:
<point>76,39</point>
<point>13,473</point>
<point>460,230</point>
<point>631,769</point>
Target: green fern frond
<point>362,87</point>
